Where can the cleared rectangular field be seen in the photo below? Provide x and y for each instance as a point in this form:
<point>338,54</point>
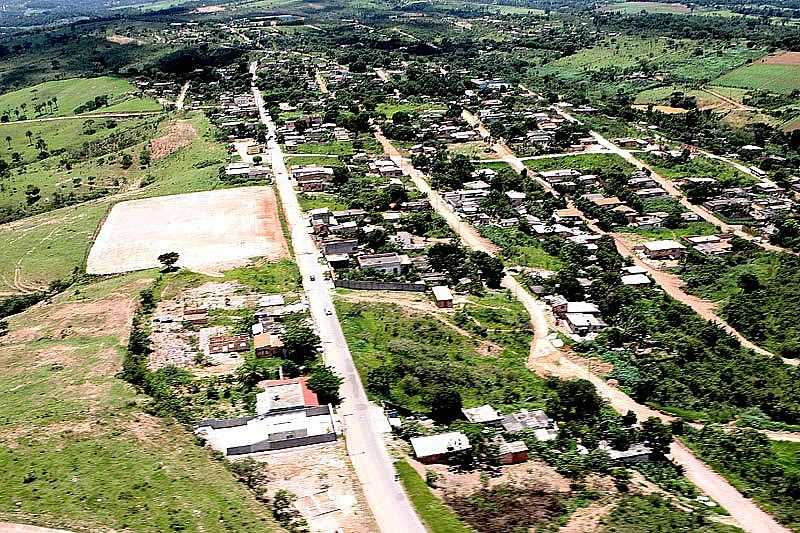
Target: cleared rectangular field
<point>212,231</point>
<point>773,77</point>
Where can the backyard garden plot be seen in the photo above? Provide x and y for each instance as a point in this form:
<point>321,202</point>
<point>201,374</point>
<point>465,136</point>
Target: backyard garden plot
<point>777,73</point>
<point>209,230</point>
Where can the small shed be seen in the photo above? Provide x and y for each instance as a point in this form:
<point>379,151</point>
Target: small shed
<point>443,296</point>
<point>511,453</point>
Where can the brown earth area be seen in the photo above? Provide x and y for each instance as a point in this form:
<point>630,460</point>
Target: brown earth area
<point>785,58</point>
<point>237,226</point>
<point>179,135</point>
<point>121,39</point>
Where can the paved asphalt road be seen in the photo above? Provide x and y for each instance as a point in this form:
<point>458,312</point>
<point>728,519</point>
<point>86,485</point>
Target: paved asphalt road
<point>388,502</point>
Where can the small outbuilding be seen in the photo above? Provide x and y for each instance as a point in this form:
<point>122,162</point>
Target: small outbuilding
<point>443,296</point>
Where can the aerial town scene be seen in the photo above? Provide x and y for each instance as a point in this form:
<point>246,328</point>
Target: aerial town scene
<point>384,266</point>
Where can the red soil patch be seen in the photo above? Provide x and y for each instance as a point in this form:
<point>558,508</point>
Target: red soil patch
<point>785,58</point>
<point>179,135</point>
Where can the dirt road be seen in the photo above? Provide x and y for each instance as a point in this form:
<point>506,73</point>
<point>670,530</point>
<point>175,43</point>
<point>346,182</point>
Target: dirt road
<point>182,96</point>
<point>321,83</point>
<point>743,510</point>
<point>727,100</point>
<point>748,515</point>
<point>541,345</point>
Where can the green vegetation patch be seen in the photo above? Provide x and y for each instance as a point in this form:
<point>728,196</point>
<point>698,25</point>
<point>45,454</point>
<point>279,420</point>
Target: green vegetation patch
<point>51,245</point>
<point>309,201</point>
<point>411,359</point>
<point>438,518</point>
<point>644,514</point>
<point>389,109</point>
<point>764,470</point>
<point>521,249</point>
<point>700,167</point>
<point>771,77</point>
<point>602,163</point>
<point>71,97</point>
<point>77,447</point>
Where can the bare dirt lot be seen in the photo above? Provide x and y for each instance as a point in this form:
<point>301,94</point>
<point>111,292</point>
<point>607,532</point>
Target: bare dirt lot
<point>785,58</point>
<point>211,231</point>
<point>121,39</point>
<point>210,9</point>
<point>328,494</point>
<point>179,135</point>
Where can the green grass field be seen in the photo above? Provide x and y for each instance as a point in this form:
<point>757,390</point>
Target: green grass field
<point>699,167</point>
<point>585,162</point>
<point>649,7</point>
<point>685,59</point>
<point>693,228</point>
<point>71,93</point>
<point>68,135</point>
<point>318,200</point>
<point>437,516</point>
<point>774,78</point>
<point>389,109</point>
<point>49,246</point>
<point>78,450</point>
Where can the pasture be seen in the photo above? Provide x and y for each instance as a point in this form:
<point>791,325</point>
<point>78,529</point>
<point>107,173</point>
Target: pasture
<point>48,246</point>
<point>649,7</point>
<point>770,76</point>
<point>78,449</point>
<point>685,59</point>
<point>61,98</point>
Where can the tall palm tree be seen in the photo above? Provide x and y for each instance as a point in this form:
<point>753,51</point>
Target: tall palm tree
<point>8,141</point>
<point>29,135</point>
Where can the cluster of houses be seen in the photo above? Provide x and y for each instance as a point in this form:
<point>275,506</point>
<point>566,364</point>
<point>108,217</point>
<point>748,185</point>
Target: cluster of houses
<point>309,129</point>
<point>672,250</point>
<point>434,124</point>
<point>236,114</point>
<point>490,100</point>
<point>265,336</point>
<point>440,448</point>
<point>757,205</point>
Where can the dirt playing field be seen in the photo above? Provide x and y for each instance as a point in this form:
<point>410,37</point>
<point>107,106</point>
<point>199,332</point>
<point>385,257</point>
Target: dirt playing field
<point>785,58</point>
<point>211,231</point>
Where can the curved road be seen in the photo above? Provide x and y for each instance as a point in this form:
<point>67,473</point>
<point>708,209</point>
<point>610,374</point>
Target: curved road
<point>388,502</point>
